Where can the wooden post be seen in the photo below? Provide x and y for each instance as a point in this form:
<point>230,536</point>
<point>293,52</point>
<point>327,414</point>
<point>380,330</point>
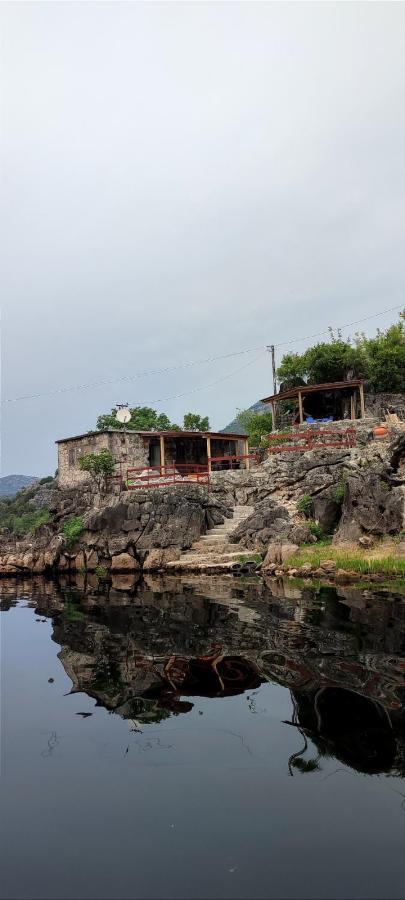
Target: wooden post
<point>273,415</point>
<point>301,407</point>
<point>247,461</point>
<point>162,454</point>
<point>352,409</point>
<point>362,405</point>
<point>209,454</point>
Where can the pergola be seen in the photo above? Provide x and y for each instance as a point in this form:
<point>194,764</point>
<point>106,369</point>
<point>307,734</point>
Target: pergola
<point>357,384</point>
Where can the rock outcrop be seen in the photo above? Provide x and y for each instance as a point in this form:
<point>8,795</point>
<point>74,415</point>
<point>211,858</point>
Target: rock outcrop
<point>120,534</point>
<point>371,506</point>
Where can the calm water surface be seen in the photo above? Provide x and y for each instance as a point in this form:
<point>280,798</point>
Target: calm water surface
<point>201,739</point>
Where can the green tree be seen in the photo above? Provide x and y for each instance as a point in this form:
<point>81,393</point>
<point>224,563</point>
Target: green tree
<point>99,465</point>
<point>334,361</point>
<point>143,418</point>
<point>386,355</point>
<point>194,422</point>
<point>256,425</point>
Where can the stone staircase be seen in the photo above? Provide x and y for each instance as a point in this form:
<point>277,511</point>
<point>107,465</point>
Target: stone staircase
<point>213,549</point>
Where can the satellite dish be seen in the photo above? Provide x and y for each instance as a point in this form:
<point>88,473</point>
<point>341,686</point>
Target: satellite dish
<point>123,415</point>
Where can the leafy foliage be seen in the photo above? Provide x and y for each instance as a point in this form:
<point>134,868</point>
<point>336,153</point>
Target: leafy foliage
<point>339,492</point>
<point>18,515</point>
<point>305,506</point>
<point>194,422</point>
<point>101,463</point>
<point>380,359</point>
<point>143,418</point>
<point>316,530</point>
<point>72,530</point>
<point>256,424</point>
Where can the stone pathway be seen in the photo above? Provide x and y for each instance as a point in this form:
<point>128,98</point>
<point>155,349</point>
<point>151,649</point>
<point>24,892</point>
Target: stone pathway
<point>213,549</point>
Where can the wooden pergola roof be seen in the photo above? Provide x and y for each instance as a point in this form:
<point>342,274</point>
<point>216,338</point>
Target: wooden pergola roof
<point>312,389</point>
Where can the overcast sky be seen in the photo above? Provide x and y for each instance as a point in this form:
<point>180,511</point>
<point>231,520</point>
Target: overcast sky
<point>184,180</point>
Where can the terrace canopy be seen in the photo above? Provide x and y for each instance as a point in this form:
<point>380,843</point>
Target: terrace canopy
<point>349,390</point>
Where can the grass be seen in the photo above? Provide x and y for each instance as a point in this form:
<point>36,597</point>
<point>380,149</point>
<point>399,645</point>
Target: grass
<point>251,557</point>
<point>357,561</point>
<point>72,530</point>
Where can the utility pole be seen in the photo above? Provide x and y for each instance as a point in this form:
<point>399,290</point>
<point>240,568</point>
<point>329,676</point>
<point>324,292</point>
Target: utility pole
<point>270,348</point>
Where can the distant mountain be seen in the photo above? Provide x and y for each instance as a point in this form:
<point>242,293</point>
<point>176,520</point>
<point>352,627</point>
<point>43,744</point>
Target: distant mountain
<point>11,484</point>
<point>235,425</point>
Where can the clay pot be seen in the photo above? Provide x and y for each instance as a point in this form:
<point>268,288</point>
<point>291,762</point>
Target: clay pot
<point>380,431</point>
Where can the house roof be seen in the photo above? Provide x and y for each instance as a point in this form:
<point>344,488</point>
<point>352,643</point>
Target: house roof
<point>313,388</point>
<point>172,434</point>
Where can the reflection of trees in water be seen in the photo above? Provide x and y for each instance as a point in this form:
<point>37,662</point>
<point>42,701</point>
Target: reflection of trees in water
<point>341,653</point>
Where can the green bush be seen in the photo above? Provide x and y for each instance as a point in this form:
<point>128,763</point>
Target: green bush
<point>101,571</point>
<point>316,530</point>
<point>27,522</point>
<point>305,506</point>
<point>72,530</point>
<point>339,492</point>
<point>46,480</point>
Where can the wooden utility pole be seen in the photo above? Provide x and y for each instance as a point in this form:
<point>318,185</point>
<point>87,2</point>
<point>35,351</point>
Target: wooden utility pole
<point>270,349</point>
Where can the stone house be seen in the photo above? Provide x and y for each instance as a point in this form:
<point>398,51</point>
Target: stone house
<point>143,449</point>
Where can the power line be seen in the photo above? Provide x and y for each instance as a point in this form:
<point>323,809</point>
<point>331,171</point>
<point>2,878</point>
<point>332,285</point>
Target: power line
<point>187,365</point>
<point>205,387</point>
<point>309,337</point>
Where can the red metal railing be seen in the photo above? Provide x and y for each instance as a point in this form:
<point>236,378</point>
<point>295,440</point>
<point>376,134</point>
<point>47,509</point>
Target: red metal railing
<point>219,463</point>
<point>161,476</point>
<point>300,441</point>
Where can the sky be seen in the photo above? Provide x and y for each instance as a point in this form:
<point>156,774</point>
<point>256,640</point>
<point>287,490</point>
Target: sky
<point>182,181</point>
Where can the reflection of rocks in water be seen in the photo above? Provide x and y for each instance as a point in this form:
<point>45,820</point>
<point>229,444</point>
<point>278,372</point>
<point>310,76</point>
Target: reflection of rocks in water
<point>354,729</point>
<point>146,654</point>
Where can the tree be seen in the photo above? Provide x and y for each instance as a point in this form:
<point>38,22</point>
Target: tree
<point>386,354</point>
<point>99,465</point>
<point>380,360</point>
<point>194,422</point>
<point>143,418</point>
<point>325,362</point>
<point>257,425</point>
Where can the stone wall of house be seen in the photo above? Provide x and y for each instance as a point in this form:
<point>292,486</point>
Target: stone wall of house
<point>128,449</point>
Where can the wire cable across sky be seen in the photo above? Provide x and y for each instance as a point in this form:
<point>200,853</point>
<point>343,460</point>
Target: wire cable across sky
<point>127,379</point>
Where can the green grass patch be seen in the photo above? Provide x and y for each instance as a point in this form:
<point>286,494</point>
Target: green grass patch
<point>350,561</point>
<point>251,557</point>
<point>101,571</point>
<point>72,530</point>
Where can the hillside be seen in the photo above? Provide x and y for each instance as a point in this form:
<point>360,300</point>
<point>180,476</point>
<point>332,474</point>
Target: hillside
<point>11,484</point>
<point>235,426</point>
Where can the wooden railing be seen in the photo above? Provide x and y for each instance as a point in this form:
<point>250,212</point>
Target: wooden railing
<point>319,439</point>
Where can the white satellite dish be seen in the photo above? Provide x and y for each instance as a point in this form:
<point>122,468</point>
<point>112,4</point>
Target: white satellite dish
<point>123,415</point>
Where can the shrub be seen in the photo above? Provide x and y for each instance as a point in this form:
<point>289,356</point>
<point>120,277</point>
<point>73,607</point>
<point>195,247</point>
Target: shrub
<point>305,506</point>
<point>339,492</point>
<point>72,530</point>
<point>46,480</point>
<point>101,571</point>
<point>316,530</point>
<point>27,522</point>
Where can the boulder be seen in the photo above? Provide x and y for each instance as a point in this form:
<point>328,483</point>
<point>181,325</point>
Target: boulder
<point>372,505</point>
<point>124,562</point>
<point>157,559</point>
<point>278,552</point>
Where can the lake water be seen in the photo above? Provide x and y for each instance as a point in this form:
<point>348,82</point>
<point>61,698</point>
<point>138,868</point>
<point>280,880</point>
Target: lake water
<point>201,738</point>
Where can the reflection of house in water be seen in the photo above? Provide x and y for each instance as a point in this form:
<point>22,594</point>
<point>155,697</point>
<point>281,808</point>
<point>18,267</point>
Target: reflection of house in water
<point>146,655</point>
